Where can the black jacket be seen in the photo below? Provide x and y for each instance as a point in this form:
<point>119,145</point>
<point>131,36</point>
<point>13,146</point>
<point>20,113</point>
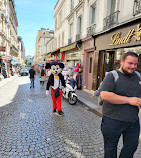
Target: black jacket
<point>51,81</point>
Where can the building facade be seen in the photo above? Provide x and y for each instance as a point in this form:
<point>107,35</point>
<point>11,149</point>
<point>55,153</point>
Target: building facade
<point>8,34</point>
<point>96,33</point>
<point>43,36</point>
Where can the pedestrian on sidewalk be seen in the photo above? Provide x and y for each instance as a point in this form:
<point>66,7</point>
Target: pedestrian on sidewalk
<point>32,76</point>
<point>121,104</point>
<point>42,76</point>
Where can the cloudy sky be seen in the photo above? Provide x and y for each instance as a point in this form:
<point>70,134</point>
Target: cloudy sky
<point>33,15</point>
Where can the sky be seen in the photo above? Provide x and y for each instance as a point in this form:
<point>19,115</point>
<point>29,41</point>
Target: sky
<point>32,15</point>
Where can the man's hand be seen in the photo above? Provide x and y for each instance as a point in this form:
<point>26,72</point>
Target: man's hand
<point>64,90</point>
<point>135,101</point>
<point>47,93</point>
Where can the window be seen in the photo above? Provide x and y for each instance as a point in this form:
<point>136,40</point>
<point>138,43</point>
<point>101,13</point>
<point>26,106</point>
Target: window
<point>90,67</point>
<point>79,25</point>
<point>60,18</point>
<point>72,4</point>
<point>55,23</point>
<point>71,29</point>
<point>63,39</point>
<point>92,14</point>
<point>111,7</point>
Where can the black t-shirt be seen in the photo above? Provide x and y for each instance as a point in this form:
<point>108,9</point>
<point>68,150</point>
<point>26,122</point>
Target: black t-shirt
<point>32,73</point>
<point>42,72</point>
<point>129,86</point>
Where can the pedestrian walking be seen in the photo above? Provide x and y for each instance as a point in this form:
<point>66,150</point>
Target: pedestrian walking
<point>32,76</point>
<point>42,76</point>
<point>56,81</point>
<point>121,104</point>
<point>4,72</point>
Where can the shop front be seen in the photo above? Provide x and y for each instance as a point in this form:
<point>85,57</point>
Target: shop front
<point>73,53</point>
<point>5,63</point>
<point>88,68</point>
<point>111,45</point>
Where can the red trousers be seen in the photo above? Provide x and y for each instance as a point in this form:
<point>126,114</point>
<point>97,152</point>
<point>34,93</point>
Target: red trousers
<point>57,103</point>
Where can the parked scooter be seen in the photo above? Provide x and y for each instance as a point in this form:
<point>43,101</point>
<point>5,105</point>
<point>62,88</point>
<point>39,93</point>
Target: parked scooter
<point>70,92</point>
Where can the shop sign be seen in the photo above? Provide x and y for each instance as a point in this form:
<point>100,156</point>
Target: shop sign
<point>73,55</point>
<point>117,39</point>
<point>2,49</point>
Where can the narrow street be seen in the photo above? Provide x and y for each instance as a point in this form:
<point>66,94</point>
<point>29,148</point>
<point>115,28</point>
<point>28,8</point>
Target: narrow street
<point>29,129</point>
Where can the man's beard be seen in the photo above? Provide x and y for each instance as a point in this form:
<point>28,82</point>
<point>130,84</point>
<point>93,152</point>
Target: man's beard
<point>126,72</point>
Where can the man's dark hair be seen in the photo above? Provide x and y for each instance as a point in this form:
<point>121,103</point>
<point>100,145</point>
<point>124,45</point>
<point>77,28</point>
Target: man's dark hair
<point>129,54</point>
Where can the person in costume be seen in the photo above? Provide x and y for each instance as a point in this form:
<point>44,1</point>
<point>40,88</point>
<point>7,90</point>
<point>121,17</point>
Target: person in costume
<point>56,81</point>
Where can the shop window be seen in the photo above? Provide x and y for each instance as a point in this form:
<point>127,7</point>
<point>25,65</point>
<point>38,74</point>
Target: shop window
<point>109,61</point>
<point>90,67</point>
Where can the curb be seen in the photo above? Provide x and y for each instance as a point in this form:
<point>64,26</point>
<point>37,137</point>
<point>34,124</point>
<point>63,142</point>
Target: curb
<point>92,107</point>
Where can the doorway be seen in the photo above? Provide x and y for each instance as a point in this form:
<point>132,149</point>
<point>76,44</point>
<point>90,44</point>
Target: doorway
<point>90,70</point>
<point>105,64</point>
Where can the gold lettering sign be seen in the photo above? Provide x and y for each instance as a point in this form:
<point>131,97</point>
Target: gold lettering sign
<point>117,39</point>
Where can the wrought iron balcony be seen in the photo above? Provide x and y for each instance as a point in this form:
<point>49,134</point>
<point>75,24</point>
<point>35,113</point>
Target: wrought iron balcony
<point>111,20</point>
<point>78,37</point>
<point>137,7</point>
<point>91,29</point>
<point>69,40</point>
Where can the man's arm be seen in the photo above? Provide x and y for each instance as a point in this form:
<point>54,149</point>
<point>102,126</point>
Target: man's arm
<point>117,99</point>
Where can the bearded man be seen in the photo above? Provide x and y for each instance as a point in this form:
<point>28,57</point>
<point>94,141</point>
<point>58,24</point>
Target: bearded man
<point>121,104</point>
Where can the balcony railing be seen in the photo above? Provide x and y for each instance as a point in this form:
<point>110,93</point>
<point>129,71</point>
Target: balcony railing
<point>111,20</point>
<point>137,7</point>
<point>78,37</point>
<point>69,41</point>
<point>91,30</point>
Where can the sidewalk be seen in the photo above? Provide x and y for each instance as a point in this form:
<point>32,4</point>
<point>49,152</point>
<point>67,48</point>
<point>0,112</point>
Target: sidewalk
<point>7,80</point>
<point>87,98</point>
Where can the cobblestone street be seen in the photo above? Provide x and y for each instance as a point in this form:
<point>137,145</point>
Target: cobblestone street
<point>29,129</point>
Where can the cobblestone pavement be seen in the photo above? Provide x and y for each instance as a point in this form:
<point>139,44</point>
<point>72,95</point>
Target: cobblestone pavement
<point>29,129</point>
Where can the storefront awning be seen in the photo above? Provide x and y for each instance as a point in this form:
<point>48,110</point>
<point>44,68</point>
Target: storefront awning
<point>13,59</point>
<point>5,58</point>
<point>47,56</point>
<point>69,47</point>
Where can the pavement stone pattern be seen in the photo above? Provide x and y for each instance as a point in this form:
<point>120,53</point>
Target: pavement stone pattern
<point>29,129</point>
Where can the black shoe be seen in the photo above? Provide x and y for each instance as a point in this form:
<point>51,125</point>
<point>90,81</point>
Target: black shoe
<point>60,113</point>
<point>33,86</point>
<point>30,87</point>
<point>54,110</point>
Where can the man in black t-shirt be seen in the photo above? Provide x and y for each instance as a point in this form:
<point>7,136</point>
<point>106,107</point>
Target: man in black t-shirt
<point>121,104</point>
<point>32,76</point>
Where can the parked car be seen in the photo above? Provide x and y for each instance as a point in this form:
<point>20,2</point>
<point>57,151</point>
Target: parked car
<point>24,72</point>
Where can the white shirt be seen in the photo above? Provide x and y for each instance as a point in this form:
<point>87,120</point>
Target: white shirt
<point>56,83</point>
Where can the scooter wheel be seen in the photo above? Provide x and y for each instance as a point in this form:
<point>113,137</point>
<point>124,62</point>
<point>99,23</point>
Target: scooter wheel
<point>72,100</point>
